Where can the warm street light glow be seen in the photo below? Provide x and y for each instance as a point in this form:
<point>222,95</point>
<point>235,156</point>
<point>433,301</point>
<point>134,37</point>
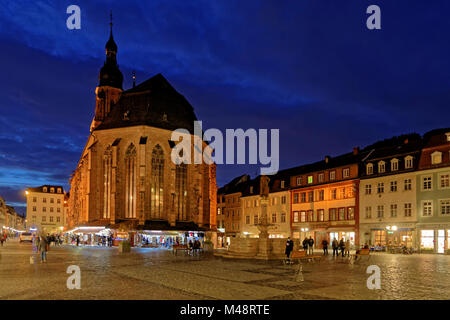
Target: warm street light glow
<point>26,192</point>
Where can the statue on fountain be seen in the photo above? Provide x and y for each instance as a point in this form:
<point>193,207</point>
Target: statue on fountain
<point>263,224</point>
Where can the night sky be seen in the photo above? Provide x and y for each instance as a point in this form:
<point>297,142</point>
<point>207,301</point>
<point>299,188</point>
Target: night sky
<point>310,68</point>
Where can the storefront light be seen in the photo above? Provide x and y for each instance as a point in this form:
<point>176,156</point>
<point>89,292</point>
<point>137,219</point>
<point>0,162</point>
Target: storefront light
<point>388,227</point>
<point>394,228</point>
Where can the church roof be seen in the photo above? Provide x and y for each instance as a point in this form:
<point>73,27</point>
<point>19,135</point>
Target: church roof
<point>154,103</point>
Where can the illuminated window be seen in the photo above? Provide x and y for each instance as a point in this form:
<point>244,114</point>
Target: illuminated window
<point>427,239</point>
<point>381,167</point>
<point>107,156</point>
<point>346,172</point>
<point>394,164</point>
<point>299,181</point>
<point>321,177</point>
<point>303,216</point>
<point>295,216</point>
<point>181,191</point>
<point>310,179</point>
<point>436,157</point>
<point>157,183</point>
<point>351,213</point>
<point>321,195</point>
<point>369,168</point>
<point>332,175</point>
<point>320,215</point>
<point>333,194</point>
<point>408,162</point>
<point>130,182</point>
<point>333,214</point>
<point>341,213</point>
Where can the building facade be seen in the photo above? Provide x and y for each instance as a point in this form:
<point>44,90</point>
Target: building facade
<point>125,175</point>
<point>45,209</point>
<point>324,199</point>
<point>433,193</point>
<point>387,193</point>
<point>278,208</point>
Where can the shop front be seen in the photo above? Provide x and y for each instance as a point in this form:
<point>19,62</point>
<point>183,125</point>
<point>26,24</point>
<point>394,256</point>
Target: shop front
<point>383,236</point>
<point>323,231</point>
<point>166,239</point>
<point>221,239</point>
<point>434,238</point>
<point>88,236</point>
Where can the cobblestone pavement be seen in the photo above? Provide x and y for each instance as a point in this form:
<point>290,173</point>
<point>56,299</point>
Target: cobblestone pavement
<point>158,274</point>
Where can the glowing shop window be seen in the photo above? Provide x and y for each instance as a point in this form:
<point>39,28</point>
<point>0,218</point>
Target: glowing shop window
<point>427,239</point>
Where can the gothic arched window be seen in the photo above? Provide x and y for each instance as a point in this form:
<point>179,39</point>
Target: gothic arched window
<point>107,183</point>
<point>181,190</point>
<point>157,183</point>
<point>130,186</point>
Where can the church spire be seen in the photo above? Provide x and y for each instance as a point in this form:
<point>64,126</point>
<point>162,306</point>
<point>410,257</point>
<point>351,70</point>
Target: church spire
<point>110,74</point>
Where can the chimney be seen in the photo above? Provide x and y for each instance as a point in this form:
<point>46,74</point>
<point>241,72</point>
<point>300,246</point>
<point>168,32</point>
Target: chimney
<point>355,150</point>
<point>327,159</point>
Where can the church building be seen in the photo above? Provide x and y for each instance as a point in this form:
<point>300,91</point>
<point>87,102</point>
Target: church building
<point>125,175</point>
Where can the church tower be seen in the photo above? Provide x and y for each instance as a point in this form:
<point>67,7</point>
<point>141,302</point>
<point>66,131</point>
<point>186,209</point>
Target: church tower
<point>110,83</point>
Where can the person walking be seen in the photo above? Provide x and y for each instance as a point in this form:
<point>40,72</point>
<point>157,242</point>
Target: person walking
<point>342,246</point>
<point>325,247</point>
<point>2,238</point>
<point>305,244</point>
<point>347,247</point>
<point>335,246</point>
<point>78,240</point>
<point>310,245</point>
<point>43,243</point>
<point>289,248</point>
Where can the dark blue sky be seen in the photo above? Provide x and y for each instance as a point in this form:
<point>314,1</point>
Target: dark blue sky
<point>310,68</point>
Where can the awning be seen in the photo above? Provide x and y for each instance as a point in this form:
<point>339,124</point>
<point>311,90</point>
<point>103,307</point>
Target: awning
<point>341,230</point>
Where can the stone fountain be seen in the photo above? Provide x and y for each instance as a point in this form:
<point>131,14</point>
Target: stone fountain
<point>262,248</point>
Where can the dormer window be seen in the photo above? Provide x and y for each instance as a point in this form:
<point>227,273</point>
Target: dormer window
<point>394,164</point>
<point>436,157</point>
<point>408,162</point>
<point>310,179</point>
<point>282,184</point>
<point>59,190</point>
<point>346,172</point>
<point>52,190</point>
<point>448,136</point>
<point>299,181</point>
<point>44,189</point>
<point>251,189</point>
<point>381,167</point>
<point>332,175</point>
<point>321,177</point>
<point>369,168</point>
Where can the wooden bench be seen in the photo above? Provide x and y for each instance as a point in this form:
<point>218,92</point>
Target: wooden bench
<point>361,253</point>
<point>177,247</point>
